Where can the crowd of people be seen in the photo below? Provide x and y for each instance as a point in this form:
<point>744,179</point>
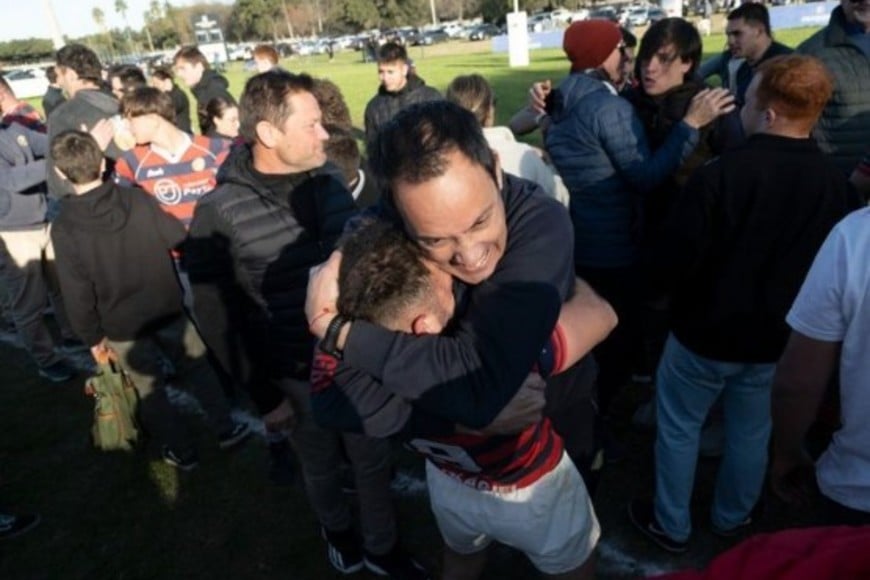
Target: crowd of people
<point>480,300</point>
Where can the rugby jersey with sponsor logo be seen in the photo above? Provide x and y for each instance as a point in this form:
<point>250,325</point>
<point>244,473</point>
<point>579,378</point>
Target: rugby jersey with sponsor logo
<point>177,181</point>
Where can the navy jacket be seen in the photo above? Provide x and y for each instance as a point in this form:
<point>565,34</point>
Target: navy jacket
<point>599,146</point>
<point>22,177</point>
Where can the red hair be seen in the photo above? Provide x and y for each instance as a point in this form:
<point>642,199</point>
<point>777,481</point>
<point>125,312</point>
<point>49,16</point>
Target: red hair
<point>795,86</point>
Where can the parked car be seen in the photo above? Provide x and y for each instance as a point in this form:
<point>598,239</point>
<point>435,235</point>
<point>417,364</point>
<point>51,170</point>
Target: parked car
<point>27,83</point>
<point>539,22</point>
<point>561,15</point>
<point>484,31</point>
<point>656,14</point>
<point>430,37</point>
<point>604,13</point>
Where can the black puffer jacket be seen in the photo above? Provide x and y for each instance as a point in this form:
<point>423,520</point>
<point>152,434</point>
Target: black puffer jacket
<point>211,85</point>
<point>248,255</point>
<point>385,105</point>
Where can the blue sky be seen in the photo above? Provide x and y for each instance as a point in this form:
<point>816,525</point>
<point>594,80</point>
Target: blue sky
<point>28,19</point>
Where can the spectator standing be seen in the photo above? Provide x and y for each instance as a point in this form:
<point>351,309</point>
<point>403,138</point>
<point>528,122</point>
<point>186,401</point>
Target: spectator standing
<point>844,46</point>
<point>598,145</point>
<point>79,73</point>
<point>399,87</point>
<point>275,213</point>
<point>726,229</point>
<point>830,322</point>
<point>115,269</point>
<point>53,94</point>
<point>750,43</point>
<point>265,57</point>
<point>27,266</point>
<point>205,84</point>
<point>475,94</point>
<point>161,77</point>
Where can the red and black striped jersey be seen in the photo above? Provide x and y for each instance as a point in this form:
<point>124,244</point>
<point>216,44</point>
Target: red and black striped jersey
<point>178,181</point>
<point>494,461</point>
<point>25,114</point>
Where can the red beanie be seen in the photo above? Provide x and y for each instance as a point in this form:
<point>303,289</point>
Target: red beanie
<point>588,43</point>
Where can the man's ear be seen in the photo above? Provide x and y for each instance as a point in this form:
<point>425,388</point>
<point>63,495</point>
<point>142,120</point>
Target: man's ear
<point>770,117</point>
<point>423,324</point>
<point>102,166</point>
<point>63,176</point>
<point>499,176</point>
<point>265,133</point>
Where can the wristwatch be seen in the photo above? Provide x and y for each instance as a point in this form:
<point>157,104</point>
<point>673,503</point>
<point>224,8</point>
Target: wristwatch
<point>329,343</point>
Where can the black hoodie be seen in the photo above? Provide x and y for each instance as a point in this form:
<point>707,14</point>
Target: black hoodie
<point>385,105</point>
<point>211,85</point>
<point>112,254</point>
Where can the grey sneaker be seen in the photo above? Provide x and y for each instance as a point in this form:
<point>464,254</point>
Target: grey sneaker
<point>343,551</point>
<point>234,436</point>
<point>59,372</point>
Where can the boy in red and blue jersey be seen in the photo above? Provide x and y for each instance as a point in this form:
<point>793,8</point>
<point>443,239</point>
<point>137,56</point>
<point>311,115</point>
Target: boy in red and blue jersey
<point>175,167</point>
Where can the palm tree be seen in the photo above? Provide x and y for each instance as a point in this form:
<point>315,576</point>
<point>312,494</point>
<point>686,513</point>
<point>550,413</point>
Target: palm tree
<point>100,20</point>
<point>121,8</point>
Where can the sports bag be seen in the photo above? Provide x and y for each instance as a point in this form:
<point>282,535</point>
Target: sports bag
<point>115,403</point>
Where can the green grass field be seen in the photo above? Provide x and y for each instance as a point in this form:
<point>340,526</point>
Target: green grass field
<point>129,517</point>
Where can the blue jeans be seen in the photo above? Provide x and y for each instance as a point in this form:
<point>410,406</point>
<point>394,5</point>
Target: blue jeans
<point>687,385</point>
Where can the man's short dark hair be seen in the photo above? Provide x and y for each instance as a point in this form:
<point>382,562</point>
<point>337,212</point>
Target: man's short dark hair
<point>332,104</point>
<point>413,146</point>
<point>130,76</point>
<point>754,12</point>
<point>392,52</point>
<point>381,273</point>
<point>192,55</point>
<point>148,101</point>
<point>342,149</point>
<point>82,60</point>
<point>51,74</point>
<point>265,99</point>
<point>77,155</point>
<point>678,32</point>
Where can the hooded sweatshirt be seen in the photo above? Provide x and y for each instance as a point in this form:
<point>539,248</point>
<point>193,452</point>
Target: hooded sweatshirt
<point>211,85</point>
<point>112,247</point>
<point>86,107</point>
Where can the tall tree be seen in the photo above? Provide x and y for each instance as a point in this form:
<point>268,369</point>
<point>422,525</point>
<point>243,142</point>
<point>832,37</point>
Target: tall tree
<point>99,18</point>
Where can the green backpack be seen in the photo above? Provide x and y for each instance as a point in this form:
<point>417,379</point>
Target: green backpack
<point>115,403</point>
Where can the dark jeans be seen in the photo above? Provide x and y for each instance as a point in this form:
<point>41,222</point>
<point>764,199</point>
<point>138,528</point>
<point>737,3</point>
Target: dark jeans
<point>621,287</point>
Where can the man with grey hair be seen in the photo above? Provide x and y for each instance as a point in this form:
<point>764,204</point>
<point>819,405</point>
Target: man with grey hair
<point>276,212</point>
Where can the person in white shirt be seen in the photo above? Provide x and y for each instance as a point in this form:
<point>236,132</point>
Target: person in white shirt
<point>830,321</point>
<point>474,93</point>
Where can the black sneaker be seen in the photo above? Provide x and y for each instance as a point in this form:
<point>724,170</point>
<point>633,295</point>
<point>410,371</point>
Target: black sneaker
<point>343,551</point>
<point>11,526</point>
<point>282,466</point>
<point>395,564</point>
<point>59,372</point>
<point>641,514</point>
<point>183,462</point>
<point>72,346</point>
<point>234,436</point>
<point>735,531</point>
